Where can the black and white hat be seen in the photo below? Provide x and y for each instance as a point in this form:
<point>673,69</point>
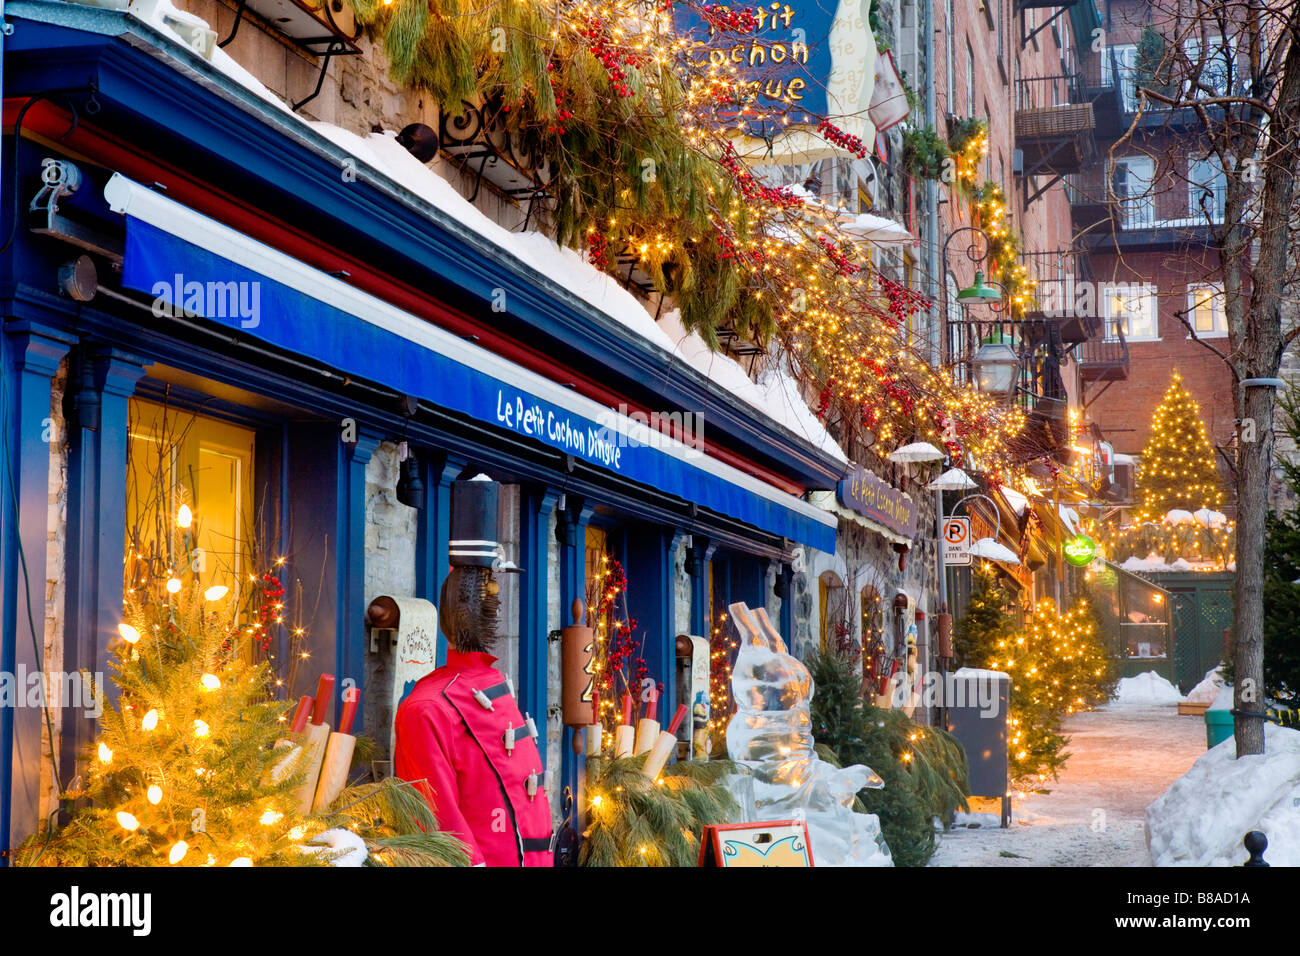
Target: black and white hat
<point>474,526</point>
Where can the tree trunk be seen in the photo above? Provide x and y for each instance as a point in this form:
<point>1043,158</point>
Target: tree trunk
<point>1253,460</point>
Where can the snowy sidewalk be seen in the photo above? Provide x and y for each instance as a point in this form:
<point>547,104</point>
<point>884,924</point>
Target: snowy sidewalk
<point>1122,758</point>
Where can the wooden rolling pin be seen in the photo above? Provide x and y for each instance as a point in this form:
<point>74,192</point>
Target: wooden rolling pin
<point>313,747</point>
<point>625,733</point>
<point>595,731</point>
<point>285,766</point>
<point>338,755</point>
<point>647,728</point>
<point>664,746</point>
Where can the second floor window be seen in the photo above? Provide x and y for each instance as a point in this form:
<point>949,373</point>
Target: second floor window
<point>1205,310</point>
<point>1132,179</point>
<point>1130,310</point>
<point>1206,184</point>
<point>970,80</point>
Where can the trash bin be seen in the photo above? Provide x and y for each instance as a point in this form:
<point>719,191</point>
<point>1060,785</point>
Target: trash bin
<point>975,707</point>
<point>1218,726</point>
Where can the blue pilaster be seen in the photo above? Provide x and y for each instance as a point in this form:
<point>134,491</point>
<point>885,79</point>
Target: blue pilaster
<point>571,527</point>
<point>650,601</point>
<point>698,558</point>
<point>433,532</point>
<point>102,384</point>
<point>32,358</point>
<point>536,502</point>
<point>349,651</point>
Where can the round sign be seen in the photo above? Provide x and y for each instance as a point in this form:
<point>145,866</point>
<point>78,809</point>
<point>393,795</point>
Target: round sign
<point>1080,550</point>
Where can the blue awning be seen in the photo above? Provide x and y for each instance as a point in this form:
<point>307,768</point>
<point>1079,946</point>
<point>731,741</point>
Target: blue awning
<point>189,262</point>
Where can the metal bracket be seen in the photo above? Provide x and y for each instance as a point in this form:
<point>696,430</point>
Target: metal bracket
<point>60,178</point>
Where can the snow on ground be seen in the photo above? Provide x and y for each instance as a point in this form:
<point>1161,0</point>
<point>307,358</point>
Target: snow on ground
<point>1122,758</point>
<point>1145,690</point>
<point>1202,818</point>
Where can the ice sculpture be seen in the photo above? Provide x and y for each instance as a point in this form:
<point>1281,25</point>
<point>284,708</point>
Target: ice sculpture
<point>771,737</point>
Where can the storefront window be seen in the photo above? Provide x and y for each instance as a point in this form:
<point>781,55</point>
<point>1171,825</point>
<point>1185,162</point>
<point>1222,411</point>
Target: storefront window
<point>174,459</point>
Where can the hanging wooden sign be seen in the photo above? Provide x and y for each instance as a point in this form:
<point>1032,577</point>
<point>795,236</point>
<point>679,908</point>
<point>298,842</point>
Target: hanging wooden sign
<point>578,677</point>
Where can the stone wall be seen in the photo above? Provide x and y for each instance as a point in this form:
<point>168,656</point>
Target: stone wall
<point>55,574</point>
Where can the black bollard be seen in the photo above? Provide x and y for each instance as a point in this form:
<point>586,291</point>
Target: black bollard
<point>1256,843</point>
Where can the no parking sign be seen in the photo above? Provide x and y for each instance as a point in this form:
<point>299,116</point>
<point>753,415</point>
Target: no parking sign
<point>956,541</point>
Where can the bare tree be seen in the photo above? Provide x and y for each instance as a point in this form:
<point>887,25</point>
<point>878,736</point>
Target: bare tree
<point>1235,64</point>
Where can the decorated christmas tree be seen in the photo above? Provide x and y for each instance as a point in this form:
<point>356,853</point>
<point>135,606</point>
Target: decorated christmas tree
<point>1058,666</point>
<point>182,773</point>
<point>977,633</point>
<point>1177,470</point>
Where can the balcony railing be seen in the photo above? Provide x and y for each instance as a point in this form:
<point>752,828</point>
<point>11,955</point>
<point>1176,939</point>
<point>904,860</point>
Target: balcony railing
<point>1104,359</point>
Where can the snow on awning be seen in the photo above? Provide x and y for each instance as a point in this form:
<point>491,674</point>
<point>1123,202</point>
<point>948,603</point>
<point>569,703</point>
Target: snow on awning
<point>878,229</point>
<point>173,253</point>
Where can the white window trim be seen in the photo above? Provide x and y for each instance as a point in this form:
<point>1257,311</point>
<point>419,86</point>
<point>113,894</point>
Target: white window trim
<point>1191,311</point>
<point>1108,318</point>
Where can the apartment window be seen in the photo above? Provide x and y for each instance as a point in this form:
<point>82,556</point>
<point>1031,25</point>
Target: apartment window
<point>1131,310</point>
<point>1000,17</point>
<point>1119,68</point>
<point>1205,310</point>
<point>950,23</point>
<point>970,79</point>
<point>1132,180</point>
<point>1213,75</point>
<point>1206,185</point>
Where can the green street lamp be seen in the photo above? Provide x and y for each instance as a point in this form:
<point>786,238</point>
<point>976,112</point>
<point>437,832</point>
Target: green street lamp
<point>979,293</point>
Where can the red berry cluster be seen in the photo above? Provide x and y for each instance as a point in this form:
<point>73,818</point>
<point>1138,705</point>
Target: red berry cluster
<point>562,113</point>
<point>843,140</point>
<point>622,647</point>
<point>779,196</point>
<point>842,264</point>
<point>598,250</point>
<point>903,302</point>
<point>272,591</point>
<point>723,19</point>
<point>610,57</point>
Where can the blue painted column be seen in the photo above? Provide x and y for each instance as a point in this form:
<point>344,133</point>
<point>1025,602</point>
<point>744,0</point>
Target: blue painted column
<point>698,559</point>
<point>650,600</point>
<point>102,385</point>
<point>785,581</point>
<point>571,528</point>
<point>433,533</point>
<point>536,502</point>
<point>33,354</point>
<point>349,642</point>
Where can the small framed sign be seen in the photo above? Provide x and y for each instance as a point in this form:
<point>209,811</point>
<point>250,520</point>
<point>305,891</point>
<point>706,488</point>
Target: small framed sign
<point>771,843</point>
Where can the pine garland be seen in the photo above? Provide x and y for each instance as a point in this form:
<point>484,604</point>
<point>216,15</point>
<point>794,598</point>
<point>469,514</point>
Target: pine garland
<point>638,822</point>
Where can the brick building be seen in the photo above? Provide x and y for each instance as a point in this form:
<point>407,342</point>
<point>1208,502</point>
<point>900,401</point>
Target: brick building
<point>1143,211</point>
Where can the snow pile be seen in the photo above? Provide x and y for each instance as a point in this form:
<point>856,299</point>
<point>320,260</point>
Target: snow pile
<point>1208,518</point>
<point>777,396</point>
<point>1201,819</point>
<point>1178,516</point>
<point>1145,690</point>
<point>1154,563</point>
<point>1207,691</point>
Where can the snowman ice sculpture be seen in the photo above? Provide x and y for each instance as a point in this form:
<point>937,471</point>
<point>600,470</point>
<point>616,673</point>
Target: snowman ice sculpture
<point>771,737</point>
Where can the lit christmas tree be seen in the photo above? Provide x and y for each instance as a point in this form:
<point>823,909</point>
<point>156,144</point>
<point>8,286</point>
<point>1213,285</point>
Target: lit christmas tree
<point>182,773</point>
<point>1177,468</point>
<point>1058,666</point>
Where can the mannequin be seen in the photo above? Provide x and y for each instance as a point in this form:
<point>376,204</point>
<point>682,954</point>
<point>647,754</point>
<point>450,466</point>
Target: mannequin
<point>460,736</point>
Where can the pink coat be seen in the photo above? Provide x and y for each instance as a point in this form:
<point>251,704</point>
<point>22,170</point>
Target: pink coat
<point>462,740</point>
